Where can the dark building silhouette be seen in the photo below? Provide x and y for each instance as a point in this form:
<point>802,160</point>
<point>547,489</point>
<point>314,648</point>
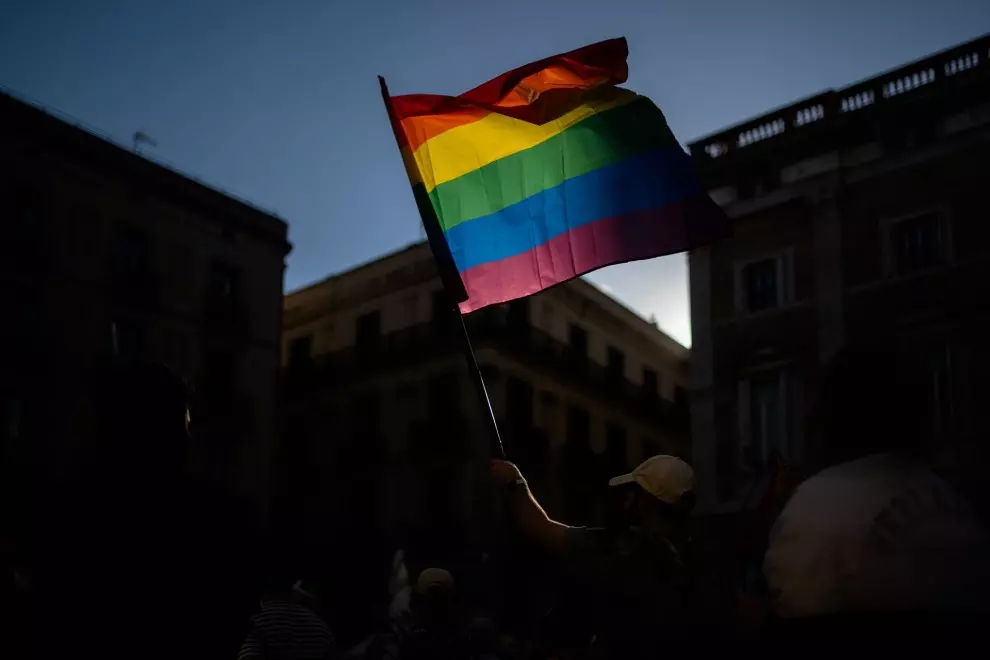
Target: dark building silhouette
<point>384,441</point>
<point>858,214</point>
<point>104,256</point>
<point>378,399</point>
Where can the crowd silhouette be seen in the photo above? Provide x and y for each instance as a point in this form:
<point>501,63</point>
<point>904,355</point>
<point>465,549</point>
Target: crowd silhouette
<point>133,554</point>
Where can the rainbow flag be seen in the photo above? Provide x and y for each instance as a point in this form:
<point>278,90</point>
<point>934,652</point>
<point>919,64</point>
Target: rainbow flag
<point>550,171</point>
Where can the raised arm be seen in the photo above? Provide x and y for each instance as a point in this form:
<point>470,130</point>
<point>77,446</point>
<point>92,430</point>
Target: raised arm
<point>526,511</point>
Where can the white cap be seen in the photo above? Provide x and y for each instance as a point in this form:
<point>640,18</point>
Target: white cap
<point>666,478</point>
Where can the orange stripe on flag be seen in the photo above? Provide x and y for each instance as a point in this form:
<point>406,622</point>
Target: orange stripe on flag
<point>420,129</point>
<point>535,93</point>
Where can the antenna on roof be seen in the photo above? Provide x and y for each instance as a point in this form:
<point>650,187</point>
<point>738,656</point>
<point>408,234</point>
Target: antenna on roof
<point>140,137</point>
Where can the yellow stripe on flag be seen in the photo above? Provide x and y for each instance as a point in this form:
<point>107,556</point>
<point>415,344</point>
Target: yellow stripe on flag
<point>460,150</point>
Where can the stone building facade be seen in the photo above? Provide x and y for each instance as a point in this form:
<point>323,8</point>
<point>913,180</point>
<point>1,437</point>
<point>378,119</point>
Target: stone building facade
<point>378,399</point>
<point>858,214</point>
<point>106,255</point>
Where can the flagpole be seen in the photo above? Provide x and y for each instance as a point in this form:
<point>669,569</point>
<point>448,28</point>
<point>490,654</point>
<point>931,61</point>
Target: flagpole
<point>453,286</point>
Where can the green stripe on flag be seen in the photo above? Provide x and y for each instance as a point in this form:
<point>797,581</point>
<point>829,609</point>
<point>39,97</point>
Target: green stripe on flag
<point>599,141</point>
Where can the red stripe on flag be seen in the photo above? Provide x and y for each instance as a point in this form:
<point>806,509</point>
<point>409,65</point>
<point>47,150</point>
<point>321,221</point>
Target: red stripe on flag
<point>536,92</point>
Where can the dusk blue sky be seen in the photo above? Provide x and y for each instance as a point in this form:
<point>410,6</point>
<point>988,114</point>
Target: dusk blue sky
<point>278,101</point>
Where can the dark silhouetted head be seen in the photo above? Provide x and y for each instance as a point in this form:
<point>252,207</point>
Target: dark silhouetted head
<point>629,505</point>
<point>659,492</point>
<point>434,600</point>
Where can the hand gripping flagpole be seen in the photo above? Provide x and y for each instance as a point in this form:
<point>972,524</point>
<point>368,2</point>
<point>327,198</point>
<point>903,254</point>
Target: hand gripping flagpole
<point>452,285</point>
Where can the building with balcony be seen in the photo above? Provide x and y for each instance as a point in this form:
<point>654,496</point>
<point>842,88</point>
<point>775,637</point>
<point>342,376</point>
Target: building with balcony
<point>378,400</point>
<point>106,255</point>
<point>858,214</point>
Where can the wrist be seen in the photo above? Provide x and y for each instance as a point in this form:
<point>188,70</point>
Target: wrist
<point>517,484</point>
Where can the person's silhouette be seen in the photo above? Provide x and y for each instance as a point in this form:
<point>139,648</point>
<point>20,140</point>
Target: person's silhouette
<point>142,559</point>
<point>876,543</point>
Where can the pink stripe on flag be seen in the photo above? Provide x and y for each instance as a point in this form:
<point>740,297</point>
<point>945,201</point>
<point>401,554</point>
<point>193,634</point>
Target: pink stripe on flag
<point>641,235</point>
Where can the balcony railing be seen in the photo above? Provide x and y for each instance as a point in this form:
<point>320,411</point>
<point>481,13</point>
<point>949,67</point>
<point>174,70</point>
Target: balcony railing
<point>532,346</point>
<point>964,61</point>
<point>539,349</point>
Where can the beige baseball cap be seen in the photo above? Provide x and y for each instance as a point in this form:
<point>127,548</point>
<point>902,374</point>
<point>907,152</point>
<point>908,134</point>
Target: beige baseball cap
<point>666,478</point>
<point>434,578</point>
